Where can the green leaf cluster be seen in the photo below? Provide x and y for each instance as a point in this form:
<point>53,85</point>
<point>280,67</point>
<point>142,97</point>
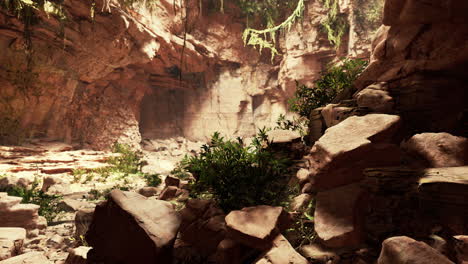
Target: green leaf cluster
<point>238,176</point>
<point>47,202</point>
<point>335,25</point>
<point>266,38</point>
<point>334,80</point>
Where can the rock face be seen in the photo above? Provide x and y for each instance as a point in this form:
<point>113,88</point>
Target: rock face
<point>257,226</point>
<point>129,73</point>
<point>203,226</point>
<point>420,57</point>
<point>434,150</point>
<point>340,156</point>
<point>402,250</point>
<point>150,228</point>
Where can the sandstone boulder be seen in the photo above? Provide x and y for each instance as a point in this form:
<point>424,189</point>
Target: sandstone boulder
<point>11,241</point>
<point>435,150</point>
<point>403,250</point>
<point>339,216</point>
<point>203,226</point>
<point>300,202</point>
<point>281,252</point>
<point>83,219</point>
<point>172,181</point>
<point>130,228</point>
<point>14,214</point>
<point>257,226</point>
<point>28,258</point>
<point>376,97</point>
<point>318,254</point>
<point>339,157</point>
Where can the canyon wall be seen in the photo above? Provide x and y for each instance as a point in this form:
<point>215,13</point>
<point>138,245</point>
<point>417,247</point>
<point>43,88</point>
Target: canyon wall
<point>132,73</point>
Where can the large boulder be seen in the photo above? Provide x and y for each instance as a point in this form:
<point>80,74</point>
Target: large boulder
<point>11,241</point>
<point>203,226</point>
<point>376,97</point>
<point>130,228</point>
<point>435,150</point>
<point>404,250</point>
<point>281,253</point>
<point>339,216</point>
<point>257,226</point>
<point>339,157</point>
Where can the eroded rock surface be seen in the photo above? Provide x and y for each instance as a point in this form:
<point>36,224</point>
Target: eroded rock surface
<point>150,227</point>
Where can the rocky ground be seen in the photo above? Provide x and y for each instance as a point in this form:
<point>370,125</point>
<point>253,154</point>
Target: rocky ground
<point>61,169</point>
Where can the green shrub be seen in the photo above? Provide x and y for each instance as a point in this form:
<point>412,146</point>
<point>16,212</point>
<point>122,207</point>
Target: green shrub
<point>153,180</point>
<point>334,80</point>
<point>47,202</point>
<point>128,161</point>
<point>238,176</point>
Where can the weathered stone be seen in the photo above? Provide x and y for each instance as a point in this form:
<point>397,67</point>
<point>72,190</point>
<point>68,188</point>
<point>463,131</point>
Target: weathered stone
<point>148,191</point>
<point>203,226</point>
<point>72,205</point>
<point>281,252</point>
<point>281,136</point>
<point>11,241</point>
<point>402,250</point>
<point>318,254</point>
<point>434,150</point>
<point>376,98</point>
<point>150,227</point>
<point>256,226</point>
<point>339,216</point>
<point>443,193</point>
<point>300,203</point>
<point>230,252</point>
<point>169,193</point>
<point>14,214</point>
<point>339,157</point>
<point>83,219</point>
<point>172,181</point>
<point>28,258</point>
<point>77,255</point>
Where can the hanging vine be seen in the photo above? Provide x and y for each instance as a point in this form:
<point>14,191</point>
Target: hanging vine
<point>335,25</point>
<point>266,38</point>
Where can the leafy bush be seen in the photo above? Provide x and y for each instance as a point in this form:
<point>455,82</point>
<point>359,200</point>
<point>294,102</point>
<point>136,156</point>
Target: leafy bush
<point>128,162</point>
<point>152,180</point>
<point>238,176</point>
<point>47,202</point>
<point>334,80</point>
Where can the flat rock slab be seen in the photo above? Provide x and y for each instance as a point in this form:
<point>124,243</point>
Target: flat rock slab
<point>130,228</point>
<point>281,253</point>
<point>345,150</point>
<point>28,258</point>
<point>256,226</point>
<point>435,150</point>
<point>404,250</point>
